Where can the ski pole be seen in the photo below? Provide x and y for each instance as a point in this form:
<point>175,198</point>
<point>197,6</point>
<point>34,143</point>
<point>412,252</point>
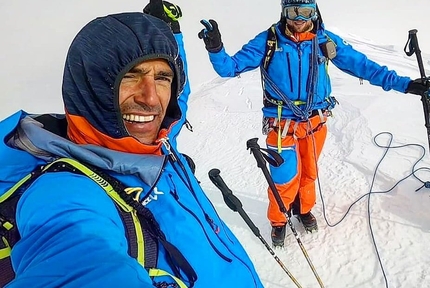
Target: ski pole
<point>414,48</point>
<point>261,163</point>
<point>234,204</point>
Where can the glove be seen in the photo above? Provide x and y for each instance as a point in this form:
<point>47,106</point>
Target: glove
<point>211,36</point>
<point>166,11</point>
<point>418,86</point>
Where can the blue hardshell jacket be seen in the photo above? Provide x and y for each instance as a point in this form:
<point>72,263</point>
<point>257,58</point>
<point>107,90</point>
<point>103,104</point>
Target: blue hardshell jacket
<point>71,232</point>
<point>290,65</point>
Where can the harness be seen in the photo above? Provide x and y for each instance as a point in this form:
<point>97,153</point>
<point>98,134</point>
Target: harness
<point>142,230</point>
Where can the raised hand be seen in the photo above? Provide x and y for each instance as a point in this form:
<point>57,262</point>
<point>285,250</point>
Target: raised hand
<point>166,11</point>
<point>211,36</point>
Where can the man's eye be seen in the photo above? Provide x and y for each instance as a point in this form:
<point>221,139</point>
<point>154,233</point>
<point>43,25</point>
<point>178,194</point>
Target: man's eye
<point>129,78</point>
<point>164,78</point>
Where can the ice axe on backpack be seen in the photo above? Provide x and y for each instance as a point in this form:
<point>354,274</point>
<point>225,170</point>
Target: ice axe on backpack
<point>414,48</point>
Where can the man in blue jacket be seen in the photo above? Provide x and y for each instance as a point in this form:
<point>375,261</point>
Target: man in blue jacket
<point>84,178</point>
<point>293,56</point>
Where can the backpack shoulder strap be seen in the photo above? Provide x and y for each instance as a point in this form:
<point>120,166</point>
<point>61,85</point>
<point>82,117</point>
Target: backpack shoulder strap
<point>271,44</point>
<point>8,237</point>
<point>142,246</point>
<point>9,234</point>
<point>139,227</point>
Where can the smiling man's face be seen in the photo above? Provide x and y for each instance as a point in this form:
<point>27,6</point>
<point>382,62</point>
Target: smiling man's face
<point>144,96</point>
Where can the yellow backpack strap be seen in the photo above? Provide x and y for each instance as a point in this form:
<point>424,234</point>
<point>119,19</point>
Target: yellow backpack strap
<point>6,272</point>
<point>142,246</point>
<point>67,164</point>
<point>136,237</point>
<point>15,187</point>
<point>9,234</point>
<point>5,251</point>
<point>144,241</point>
<point>135,233</point>
<point>154,272</point>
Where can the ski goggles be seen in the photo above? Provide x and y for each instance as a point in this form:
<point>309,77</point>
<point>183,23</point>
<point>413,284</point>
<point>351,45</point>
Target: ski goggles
<point>302,12</point>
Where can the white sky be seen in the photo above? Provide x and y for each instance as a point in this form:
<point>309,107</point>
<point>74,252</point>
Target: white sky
<point>225,113</point>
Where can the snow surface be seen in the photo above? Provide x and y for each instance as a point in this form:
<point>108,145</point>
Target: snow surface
<point>394,222</point>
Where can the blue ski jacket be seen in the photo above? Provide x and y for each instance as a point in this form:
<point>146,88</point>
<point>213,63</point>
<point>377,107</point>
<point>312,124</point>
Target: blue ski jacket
<point>71,232</point>
<point>291,65</point>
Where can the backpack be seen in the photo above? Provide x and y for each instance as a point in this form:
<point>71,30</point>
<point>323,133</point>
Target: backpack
<point>142,231</point>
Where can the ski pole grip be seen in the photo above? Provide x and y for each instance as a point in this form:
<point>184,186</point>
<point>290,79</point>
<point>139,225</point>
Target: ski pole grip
<point>218,181</point>
<point>415,48</point>
<point>253,146</point>
<point>252,143</point>
<point>413,32</point>
<point>232,201</point>
<point>412,43</point>
<point>261,163</point>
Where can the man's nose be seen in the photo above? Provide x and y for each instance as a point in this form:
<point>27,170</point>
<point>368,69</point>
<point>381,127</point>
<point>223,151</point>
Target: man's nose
<point>147,91</point>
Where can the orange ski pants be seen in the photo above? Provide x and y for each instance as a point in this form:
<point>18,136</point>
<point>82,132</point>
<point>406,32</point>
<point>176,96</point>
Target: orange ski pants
<point>300,149</point>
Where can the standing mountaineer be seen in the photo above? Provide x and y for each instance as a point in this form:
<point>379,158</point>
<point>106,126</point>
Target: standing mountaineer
<point>98,197</point>
<point>293,56</point>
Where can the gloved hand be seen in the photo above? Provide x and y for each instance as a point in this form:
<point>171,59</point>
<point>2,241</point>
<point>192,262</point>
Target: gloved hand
<point>166,11</point>
<point>211,36</point>
<point>418,86</point>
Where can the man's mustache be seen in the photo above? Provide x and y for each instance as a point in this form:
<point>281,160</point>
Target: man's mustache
<point>140,108</point>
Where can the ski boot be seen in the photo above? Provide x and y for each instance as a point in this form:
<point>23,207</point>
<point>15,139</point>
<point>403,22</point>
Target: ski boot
<point>309,222</point>
<point>278,236</point>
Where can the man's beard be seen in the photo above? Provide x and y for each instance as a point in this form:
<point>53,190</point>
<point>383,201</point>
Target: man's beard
<point>306,28</point>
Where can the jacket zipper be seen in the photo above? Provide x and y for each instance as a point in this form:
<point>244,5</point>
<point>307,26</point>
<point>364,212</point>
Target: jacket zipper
<point>289,72</point>
<point>300,71</point>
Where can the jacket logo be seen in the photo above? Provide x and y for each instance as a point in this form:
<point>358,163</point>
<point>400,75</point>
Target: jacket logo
<point>153,196</point>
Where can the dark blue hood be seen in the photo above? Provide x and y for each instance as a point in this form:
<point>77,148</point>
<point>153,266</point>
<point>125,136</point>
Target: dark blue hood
<point>99,56</point>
